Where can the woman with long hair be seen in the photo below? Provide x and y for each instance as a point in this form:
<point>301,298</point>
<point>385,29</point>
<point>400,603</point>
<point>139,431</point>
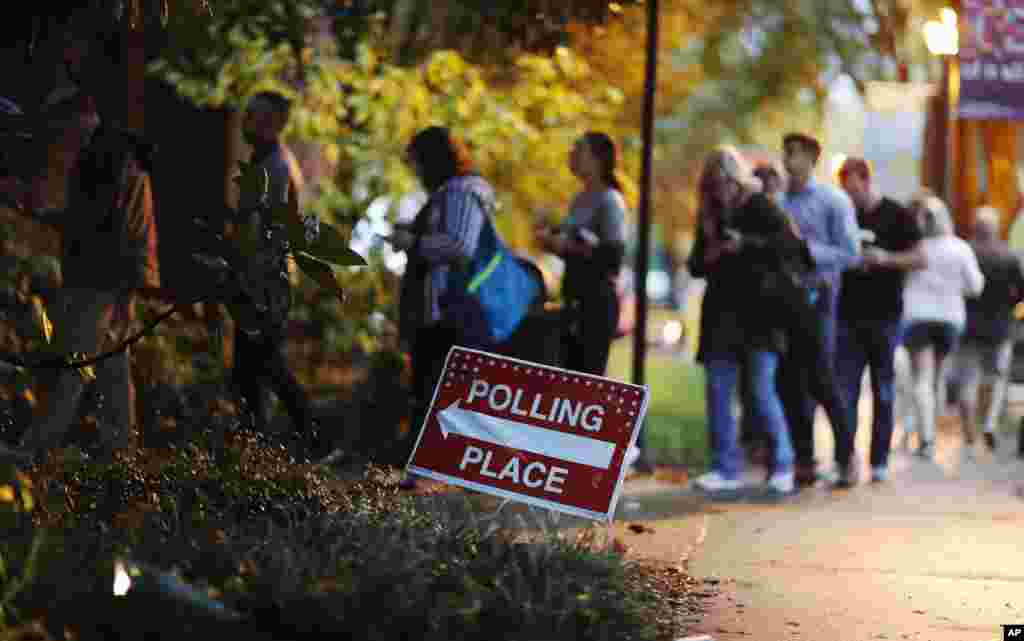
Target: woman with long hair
<point>444,234</point>
<point>745,244</point>
<point>935,312</point>
<point>592,242</point>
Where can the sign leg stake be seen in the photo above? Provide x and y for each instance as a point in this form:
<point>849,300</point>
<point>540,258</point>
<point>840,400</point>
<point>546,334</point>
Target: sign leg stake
<point>497,511</point>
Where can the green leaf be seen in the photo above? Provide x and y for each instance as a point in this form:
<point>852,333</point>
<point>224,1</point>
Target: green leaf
<point>253,181</point>
<point>332,246</point>
<point>287,214</point>
<point>323,272</point>
<point>22,377</point>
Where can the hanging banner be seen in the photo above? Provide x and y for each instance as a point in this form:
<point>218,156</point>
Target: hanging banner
<point>544,436</point>
<point>992,60</point>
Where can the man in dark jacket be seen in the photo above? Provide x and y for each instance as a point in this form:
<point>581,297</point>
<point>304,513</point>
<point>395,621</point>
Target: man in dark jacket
<point>108,238</point>
<point>986,351</point>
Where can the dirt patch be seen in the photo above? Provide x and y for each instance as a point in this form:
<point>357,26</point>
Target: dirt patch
<point>678,599</point>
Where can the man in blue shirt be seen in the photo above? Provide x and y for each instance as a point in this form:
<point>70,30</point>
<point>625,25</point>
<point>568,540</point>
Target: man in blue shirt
<point>828,223</point>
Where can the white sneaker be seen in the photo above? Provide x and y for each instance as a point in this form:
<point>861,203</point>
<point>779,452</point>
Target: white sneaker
<point>782,482</point>
<point>715,482</point>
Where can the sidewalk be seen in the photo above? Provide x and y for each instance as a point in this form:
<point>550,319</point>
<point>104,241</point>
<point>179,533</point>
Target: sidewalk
<point>935,554</point>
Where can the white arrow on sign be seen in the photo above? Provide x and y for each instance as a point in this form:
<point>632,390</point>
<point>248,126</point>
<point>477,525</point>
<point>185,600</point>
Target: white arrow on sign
<point>519,436</point>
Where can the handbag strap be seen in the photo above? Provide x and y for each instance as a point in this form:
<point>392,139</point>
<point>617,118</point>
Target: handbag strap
<point>485,273</point>
<point>487,241</point>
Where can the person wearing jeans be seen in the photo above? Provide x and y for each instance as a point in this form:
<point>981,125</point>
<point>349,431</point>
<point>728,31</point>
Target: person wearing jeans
<point>827,222</point>
<point>745,249</point>
<point>870,309</point>
<point>861,346</point>
<point>764,406</point>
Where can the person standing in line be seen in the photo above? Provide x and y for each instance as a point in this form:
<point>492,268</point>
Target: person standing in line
<point>773,179</point>
<point>827,222</point>
<point>871,309</point>
<point>445,233</point>
<point>260,363</point>
<point>986,351</point>
<point>744,241</point>
<point>753,439</point>
<point>108,255</point>
<point>592,242</point>
<point>934,311</point>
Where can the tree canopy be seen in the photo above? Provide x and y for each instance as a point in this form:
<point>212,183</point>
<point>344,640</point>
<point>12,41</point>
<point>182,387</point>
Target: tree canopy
<point>521,78</point>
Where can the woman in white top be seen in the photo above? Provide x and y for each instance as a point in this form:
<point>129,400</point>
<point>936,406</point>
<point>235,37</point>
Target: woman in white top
<point>934,309</point>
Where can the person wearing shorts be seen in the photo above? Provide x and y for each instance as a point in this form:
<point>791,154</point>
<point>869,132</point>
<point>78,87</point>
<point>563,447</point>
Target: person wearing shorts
<point>934,309</point>
<point>986,352</point>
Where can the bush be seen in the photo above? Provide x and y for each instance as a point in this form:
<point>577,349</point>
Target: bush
<point>322,556</point>
<point>403,576</point>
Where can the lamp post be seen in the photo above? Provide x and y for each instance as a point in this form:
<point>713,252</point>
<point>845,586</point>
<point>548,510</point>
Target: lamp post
<point>942,40</point>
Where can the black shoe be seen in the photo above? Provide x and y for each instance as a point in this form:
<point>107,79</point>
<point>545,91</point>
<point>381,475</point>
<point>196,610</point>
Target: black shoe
<point>313,446</point>
<point>990,441</point>
<point>926,451</point>
<point>846,477</point>
<point>806,474</point>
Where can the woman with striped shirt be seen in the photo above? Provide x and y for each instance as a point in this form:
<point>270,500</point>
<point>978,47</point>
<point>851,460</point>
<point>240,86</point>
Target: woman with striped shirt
<point>444,234</point>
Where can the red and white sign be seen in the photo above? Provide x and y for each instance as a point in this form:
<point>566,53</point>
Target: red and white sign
<point>533,433</point>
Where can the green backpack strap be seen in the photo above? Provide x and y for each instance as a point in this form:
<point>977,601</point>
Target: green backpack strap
<point>485,273</point>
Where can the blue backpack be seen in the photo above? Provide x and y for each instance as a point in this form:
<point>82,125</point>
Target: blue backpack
<point>488,298</point>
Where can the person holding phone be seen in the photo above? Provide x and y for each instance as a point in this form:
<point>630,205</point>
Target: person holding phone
<point>592,242</point>
<point>746,249</point>
<point>871,309</point>
<point>445,233</point>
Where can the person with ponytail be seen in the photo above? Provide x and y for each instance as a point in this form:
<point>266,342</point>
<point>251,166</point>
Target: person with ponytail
<point>592,242</point>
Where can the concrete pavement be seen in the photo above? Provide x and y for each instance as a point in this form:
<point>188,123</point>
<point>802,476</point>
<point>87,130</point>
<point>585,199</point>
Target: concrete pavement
<point>935,554</point>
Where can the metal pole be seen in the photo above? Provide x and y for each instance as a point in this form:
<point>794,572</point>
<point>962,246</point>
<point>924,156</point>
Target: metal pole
<point>644,216</point>
<point>644,212</point>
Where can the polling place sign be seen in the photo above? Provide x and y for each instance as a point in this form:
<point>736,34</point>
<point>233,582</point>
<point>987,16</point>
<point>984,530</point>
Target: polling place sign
<point>545,436</point>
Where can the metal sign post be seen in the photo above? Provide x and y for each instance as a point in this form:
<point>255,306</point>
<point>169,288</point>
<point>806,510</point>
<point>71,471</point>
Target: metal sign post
<point>644,210</point>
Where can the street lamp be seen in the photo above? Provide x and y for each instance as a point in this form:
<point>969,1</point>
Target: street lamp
<point>943,39</point>
<point>941,36</point>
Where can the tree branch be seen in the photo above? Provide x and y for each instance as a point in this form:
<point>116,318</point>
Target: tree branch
<point>62,363</point>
